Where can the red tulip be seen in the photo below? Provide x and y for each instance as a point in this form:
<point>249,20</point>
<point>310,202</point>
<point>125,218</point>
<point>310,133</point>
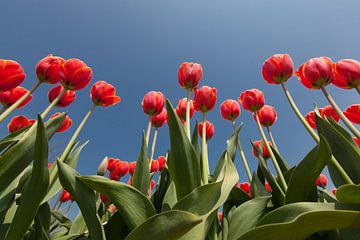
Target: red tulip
<point>210,129</point>
<point>103,94</point>
<point>49,69</point>
<point>347,74</point>
<point>321,181</point>
<point>245,186</point>
<point>129,182</point>
<point>310,118</point>
<point>333,191</point>
<point>153,103</point>
<point>8,98</point>
<point>104,199</point>
<point>189,75</point>
<point>65,196</point>
<point>357,141</point>
<point>353,113</point>
<point>316,72</point>
<point>220,216</point>
<point>68,97</point>
<point>162,162</point>
<point>132,166</point>
<point>19,122</point>
<point>159,120</point>
<point>66,124</point>
<point>268,188</point>
<point>277,68</point>
<point>154,166</point>
<point>111,164</point>
<point>120,169</point>
<point>230,109</point>
<point>265,152</point>
<point>205,99</point>
<point>329,112</point>
<point>252,100</point>
<point>75,74</point>
<point>267,115</point>
<point>152,184</point>
<point>181,109</point>
<point>11,74</point>
<point>49,165</point>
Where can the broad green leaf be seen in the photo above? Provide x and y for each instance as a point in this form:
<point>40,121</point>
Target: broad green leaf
<point>133,206</point>
<point>84,197</point>
<point>79,226</point>
<point>257,189</point>
<point>12,138</point>
<point>115,228</point>
<point>63,220</point>
<point>349,193</point>
<point>42,223</point>
<point>183,162</point>
<point>158,196</point>
<point>284,166</point>
<point>195,140</point>
<point>141,177</point>
<point>170,198</point>
<point>169,225</point>
<point>232,141</point>
<point>302,186</point>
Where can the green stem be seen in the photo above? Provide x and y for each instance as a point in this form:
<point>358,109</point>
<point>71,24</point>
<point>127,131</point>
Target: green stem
<point>187,123</point>
<point>272,138</point>
<point>10,109</point>
<point>242,154</point>
<point>153,146</point>
<point>204,153</point>
<point>148,132</point>
<point>53,104</point>
<point>276,165</point>
<point>340,113</point>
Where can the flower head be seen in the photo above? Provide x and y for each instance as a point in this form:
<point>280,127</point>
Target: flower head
<point>189,75</point>
<point>8,98</point>
<point>210,129</point>
<point>153,103</point>
<point>346,74</point>
<point>19,122</point>
<point>310,119</point>
<point>267,115</point>
<point>159,120</point>
<point>67,98</point>
<point>353,113</point>
<point>66,124</point>
<point>11,74</point>
<point>103,94</point>
<point>65,196</point>
<point>181,109</point>
<point>329,112</point>
<point>321,181</point>
<point>162,162</point>
<point>205,99</point>
<point>75,74</point>
<point>230,109</point>
<point>49,69</point>
<point>264,151</point>
<point>277,68</point>
<point>245,186</point>
<point>252,99</point>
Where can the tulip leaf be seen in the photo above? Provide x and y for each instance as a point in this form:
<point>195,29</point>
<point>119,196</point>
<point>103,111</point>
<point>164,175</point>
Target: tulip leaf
<point>170,198</point>
<point>170,225</point>
<point>349,193</point>
<point>34,189</point>
<point>133,206</point>
<point>158,196</point>
<point>115,228</point>
<point>42,223</point>
<point>284,166</point>
<point>79,226</point>
<point>63,220</point>
<point>84,197</point>
<point>141,177</point>
<point>302,186</point>
<point>12,138</point>
<point>257,188</point>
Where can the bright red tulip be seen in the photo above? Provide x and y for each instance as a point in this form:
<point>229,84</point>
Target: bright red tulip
<point>205,99</point>
<point>11,74</point>
<point>75,74</point>
<point>159,120</point>
<point>103,94</point>
<point>268,188</point>
<point>252,99</point>
<point>220,216</point>
<point>68,97</point>
<point>333,191</point>
<point>49,69</point>
<point>19,122</point>
<point>353,113</point>
<point>265,152</point>
<point>347,74</point>
<point>245,186</point>
<point>66,124</point>
<point>120,169</point>
<point>132,166</point>
<point>162,162</point>
<point>111,164</point>
<point>310,118</point>
<point>267,115</point>
<point>65,196</point>
<point>152,184</point>
<point>154,166</point>
<point>329,112</point>
<point>153,103</point>
<point>277,68</point>
<point>357,141</point>
<point>316,72</point>
<point>181,109</point>
<point>321,181</point>
<point>210,129</point>
<point>189,75</point>
<point>8,98</point>
<point>230,109</point>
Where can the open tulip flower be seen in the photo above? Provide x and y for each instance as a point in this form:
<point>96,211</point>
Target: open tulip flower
<point>347,74</point>
<point>66,99</point>
<point>75,74</point>
<point>11,75</point>
<point>252,99</point>
<point>103,94</point>
<point>230,110</point>
<point>49,69</point>
<point>353,113</point>
<point>277,68</point>
<point>8,98</point>
<point>19,122</point>
<point>189,75</point>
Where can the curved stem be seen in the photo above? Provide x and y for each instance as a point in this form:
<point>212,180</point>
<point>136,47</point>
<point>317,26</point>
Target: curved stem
<point>272,138</point>
<point>273,158</point>
<point>147,136</point>
<point>153,146</point>
<point>187,123</point>
<point>340,113</point>
<point>53,103</point>
<point>204,153</point>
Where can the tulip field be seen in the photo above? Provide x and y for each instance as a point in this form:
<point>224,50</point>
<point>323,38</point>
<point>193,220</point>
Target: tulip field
<point>177,196</point>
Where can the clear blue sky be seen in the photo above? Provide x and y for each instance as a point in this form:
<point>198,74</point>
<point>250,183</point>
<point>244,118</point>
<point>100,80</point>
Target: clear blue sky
<point>138,46</point>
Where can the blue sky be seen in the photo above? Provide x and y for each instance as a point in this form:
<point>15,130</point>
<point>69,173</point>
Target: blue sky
<point>138,46</point>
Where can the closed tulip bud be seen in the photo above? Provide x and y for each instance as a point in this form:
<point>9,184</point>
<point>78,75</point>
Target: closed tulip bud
<point>19,122</point>
<point>66,124</point>
<point>103,166</point>
<point>321,181</point>
<point>267,115</point>
<point>230,109</point>
<point>103,94</point>
<point>264,151</point>
<point>181,109</point>
<point>333,191</point>
<point>154,166</point>
<point>8,98</point>
<point>49,69</point>
<point>316,72</point>
<point>245,186</point>
<point>347,74</point>
<point>75,74</point>
<point>277,68</point>
<point>159,120</point>
<point>189,75</point>
<point>210,129</point>
<point>162,162</point>
<point>357,141</point>
<point>153,103</point>
<point>132,166</point>
<point>353,113</point>
<point>252,99</point>
<point>220,216</point>
<point>268,188</point>
<point>329,112</point>
<point>11,74</point>
<point>310,119</point>
<point>68,97</point>
<point>65,196</point>
<point>205,99</point>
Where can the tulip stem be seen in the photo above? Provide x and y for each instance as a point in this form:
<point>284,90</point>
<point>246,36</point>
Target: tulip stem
<point>9,110</point>
<point>153,146</point>
<point>204,153</point>
<point>276,165</point>
<point>148,132</point>
<point>53,103</point>
<point>187,123</point>
<point>242,154</point>
<point>340,113</point>
<point>272,138</point>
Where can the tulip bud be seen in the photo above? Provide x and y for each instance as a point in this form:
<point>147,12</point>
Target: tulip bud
<point>162,162</point>
<point>245,186</point>
<point>329,112</point>
<point>205,99</point>
<point>153,103</point>
<point>267,115</point>
<point>66,124</point>
<point>68,97</point>
<point>154,166</point>
<point>65,196</point>
<point>103,166</point>
<point>103,94</point>
<point>75,74</point>
<point>252,100</point>
<point>132,166</point>
<point>321,181</point>
<point>8,98</point>
<point>159,120</point>
<point>264,151</point>
<point>278,68</point>
<point>347,74</point>
<point>210,129</point>
<point>230,109</point>
<point>181,109</point>
<point>333,191</point>
<point>310,119</point>
<point>19,122</point>
<point>11,75</point>
<point>353,113</point>
<point>189,75</point>
<point>49,69</point>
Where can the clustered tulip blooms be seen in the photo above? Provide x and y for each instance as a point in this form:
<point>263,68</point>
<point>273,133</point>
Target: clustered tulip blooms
<point>19,122</point>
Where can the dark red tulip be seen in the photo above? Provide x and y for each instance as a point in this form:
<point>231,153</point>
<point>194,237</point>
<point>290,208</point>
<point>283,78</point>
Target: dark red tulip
<point>277,68</point>
<point>252,99</point>
<point>65,196</point>
<point>265,152</point>
<point>75,74</point>
<point>181,109</point>
<point>267,115</point>
<point>321,181</point>
<point>245,186</point>
<point>19,122</point>
<point>346,74</point>
<point>189,75</point>
<point>329,112</point>
<point>8,98</point>
<point>230,109</point>
<point>66,124</point>
<point>210,129</point>
<point>154,166</point>
<point>205,99</point>
<point>132,166</point>
<point>49,69</point>
<point>11,75</point>
<point>153,103</point>
<point>162,162</point>
<point>310,119</point>
<point>103,94</point>
<point>68,97</point>
<point>159,120</point>
<point>353,113</point>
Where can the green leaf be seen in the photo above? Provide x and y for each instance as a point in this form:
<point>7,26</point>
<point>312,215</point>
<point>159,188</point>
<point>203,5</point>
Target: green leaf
<point>284,166</point>
<point>183,162</point>
<point>349,193</point>
<point>158,196</point>
<point>84,197</point>
<point>42,223</point>
<point>170,198</point>
<point>257,188</point>
<point>195,140</point>
<point>35,188</point>
<point>170,225</point>
<point>64,221</point>
<point>302,183</point>
<point>79,226</point>
<point>116,228</point>
<point>12,138</point>
<point>232,141</point>
<point>141,177</point>
<point>133,206</point>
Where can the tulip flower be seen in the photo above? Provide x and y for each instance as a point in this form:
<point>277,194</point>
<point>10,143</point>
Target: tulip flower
<point>357,141</point>
<point>111,164</point>
<point>103,94</point>
<point>181,109</point>
<point>159,120</point>
<point>347,74</point>
<point>65,196</point>
<point>19,122</point>
<point>321,181</point>
<point>49,165</point>
<point>268,188</point>
<point>152,185</point>
<point>209,130</point>
<point>66,124</point>
<point>162,162</point>
<point>154,166</point>
<point>132,166</point>
<point>252,100</point>
<point>120,169</point>
<point>11,75</point>
<point>353,113</point>
<point>277,68</point>
<point>104,199</point>
<point>189,75</point>
<point>76,75</point>
<point>230,110</point>
<point>65,100</point>
<point>310,119</point>
<point>49,69</point>
<point>245,186</point>
<point>220,216</point>
<point>8,98</point>
<point>334,191</point>
<point>205,99</point>
<point>329,112</point>
<point>267,115</point>
<point>264,151</point>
